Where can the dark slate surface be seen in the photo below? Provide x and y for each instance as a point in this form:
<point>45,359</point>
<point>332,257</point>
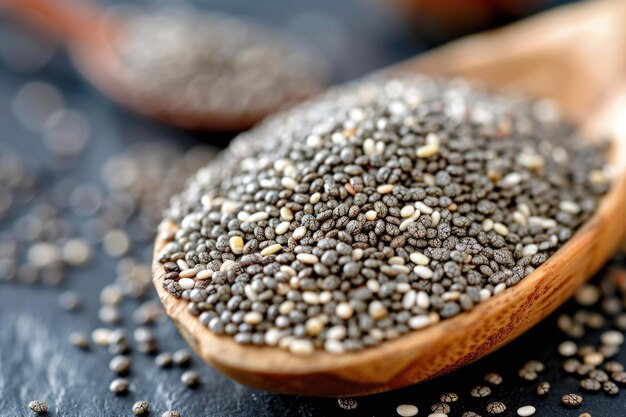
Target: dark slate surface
<point>36,361</point>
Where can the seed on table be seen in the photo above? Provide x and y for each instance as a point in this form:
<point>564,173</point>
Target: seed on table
<point>585,415</point>
<point>164,360</point>
<point>440,408</point>
<point>610,388</point>
<point>69,301</point>
<point>587,295</point>
<point>449,397</point>
<point>527,374</point>
<point>612,338</point>
<point>496,407</point>
<point>599,375</point>
<point>480,392</point>
<point>109,314</point>
<point>120,364</point>
<point>140,408</point>
<point>119,386</point>
<point>543,388</point>
<point>619,377</point>
<point>469,414</point>
<point>593,358</point>
<point>101,336</point>
<point>535,365</point>
<point>572,400</point>
<point>525,411</point>
<point>571,365</point>
<point>406,410</point>
<point>438,415</point>
<point>589,384</point>
<point>568,348</point>
<point>171,413</point>
<point>493,378</point>
<point>347,403</point>
<point>190,378</point>
<point>613,366</point>
<point>182,358</point>
<point>38,406</point>
<point>79,340</point>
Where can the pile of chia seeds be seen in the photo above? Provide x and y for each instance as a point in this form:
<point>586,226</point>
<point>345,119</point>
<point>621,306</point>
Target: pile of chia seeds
<point>210,63</point>
<point>381,208</point>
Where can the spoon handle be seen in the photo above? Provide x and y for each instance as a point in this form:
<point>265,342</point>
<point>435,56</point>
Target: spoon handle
<point>72,21</point>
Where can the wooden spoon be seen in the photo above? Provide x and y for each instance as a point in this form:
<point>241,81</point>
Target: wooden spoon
<point>575,55</point>
<point>91,33</point>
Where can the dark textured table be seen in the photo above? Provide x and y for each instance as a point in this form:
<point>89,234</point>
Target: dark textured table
<point>36,360</point>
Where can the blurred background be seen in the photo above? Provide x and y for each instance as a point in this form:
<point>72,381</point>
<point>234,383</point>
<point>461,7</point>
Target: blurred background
<point>83,182</point>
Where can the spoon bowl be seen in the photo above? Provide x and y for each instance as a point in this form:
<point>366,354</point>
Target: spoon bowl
<point>92,35</point>
<point>567,65</point>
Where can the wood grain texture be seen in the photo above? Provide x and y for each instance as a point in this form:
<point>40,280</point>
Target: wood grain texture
<point>526,57</point>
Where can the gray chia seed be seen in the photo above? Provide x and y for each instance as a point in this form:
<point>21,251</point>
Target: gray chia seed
<point>214,63</point>
<point>381,208</point>
<point>39,407</point>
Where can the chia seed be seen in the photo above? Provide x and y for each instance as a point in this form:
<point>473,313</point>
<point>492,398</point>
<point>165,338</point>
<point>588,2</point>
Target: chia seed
<point>327,163</point>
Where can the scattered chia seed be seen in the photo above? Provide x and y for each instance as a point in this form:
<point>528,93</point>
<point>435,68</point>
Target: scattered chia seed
<point>79,340</point>
<point>38,406</point>
<point>378,160</point>
<point>171,413</point>
<point>449,397</point>
<point>347,403</point>
<point>407,410</point>
<point>190,378</point>
<point>69,301</point>
<point>120,364</point>
<point>496,408</point>
<point>525,411</point>
<point>572,400</point>
<point>493,378</point>
<point>440,408</point>
<point>480,392</point>
<point>140,408</point>
<point>164,360</point>
<point>182,358</point>
<point>610,388</point>
<point>543,388</point>
<point>119,386</point>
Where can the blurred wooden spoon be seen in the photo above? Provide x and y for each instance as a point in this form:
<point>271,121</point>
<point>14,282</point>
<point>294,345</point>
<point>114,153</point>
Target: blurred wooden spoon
<point>91,36</point>
<point>575,55</point>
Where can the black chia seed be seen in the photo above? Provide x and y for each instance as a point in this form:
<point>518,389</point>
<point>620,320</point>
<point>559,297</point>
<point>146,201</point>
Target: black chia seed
<point>384,207</point>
